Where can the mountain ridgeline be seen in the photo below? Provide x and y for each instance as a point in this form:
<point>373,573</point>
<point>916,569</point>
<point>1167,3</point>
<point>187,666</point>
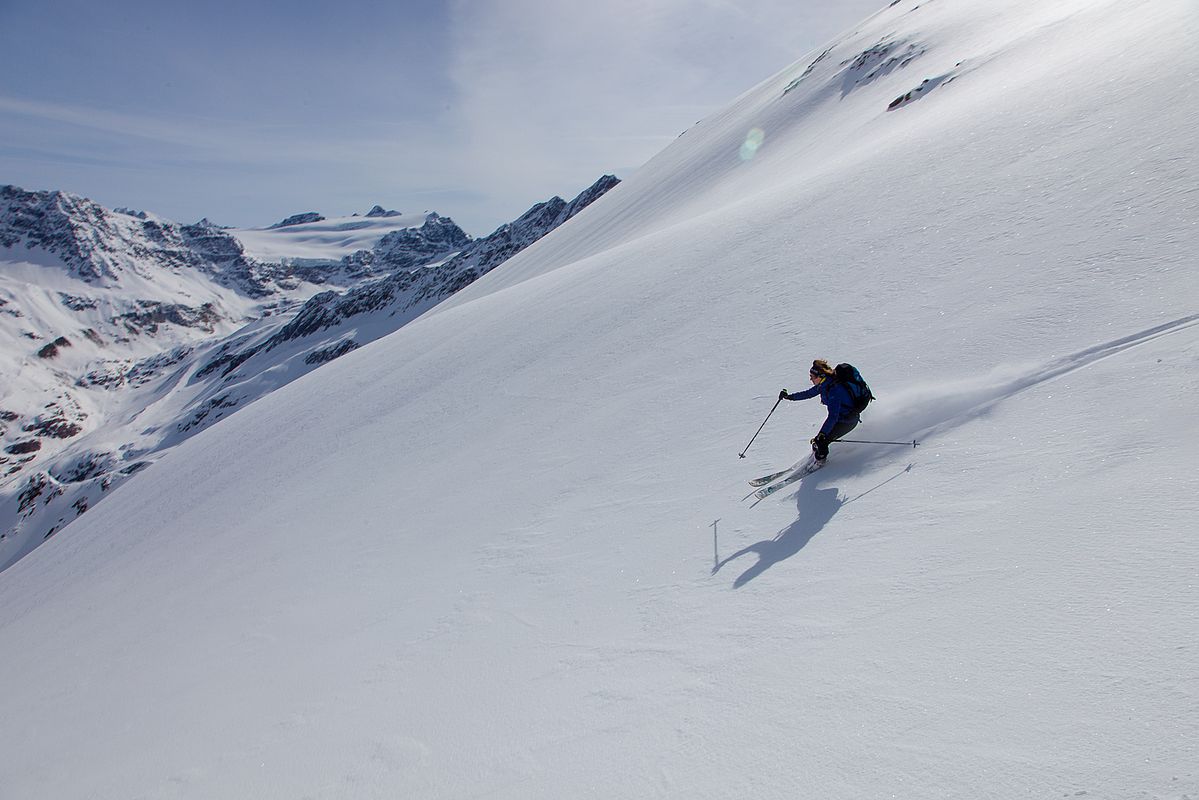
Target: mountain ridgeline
<point>99,246</point>
<point>125,333</point>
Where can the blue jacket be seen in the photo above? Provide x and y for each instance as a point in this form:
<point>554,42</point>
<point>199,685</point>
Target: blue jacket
<point>837,397</point>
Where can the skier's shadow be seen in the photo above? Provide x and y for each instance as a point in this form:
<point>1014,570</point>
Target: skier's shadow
<point>816,508</point>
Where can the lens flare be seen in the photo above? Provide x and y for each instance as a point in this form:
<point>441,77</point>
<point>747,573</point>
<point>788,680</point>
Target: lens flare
<point>753,141</point>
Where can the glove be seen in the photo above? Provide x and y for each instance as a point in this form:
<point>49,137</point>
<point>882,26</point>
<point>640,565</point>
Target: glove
<point>783,394</point>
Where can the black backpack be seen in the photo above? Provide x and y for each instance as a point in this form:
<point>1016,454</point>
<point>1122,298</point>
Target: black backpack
<point>858,390</point>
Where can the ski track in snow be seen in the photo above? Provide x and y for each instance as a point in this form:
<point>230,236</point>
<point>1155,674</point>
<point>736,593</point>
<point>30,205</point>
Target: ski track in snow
<point>920,410</point>
<point>929,410</point>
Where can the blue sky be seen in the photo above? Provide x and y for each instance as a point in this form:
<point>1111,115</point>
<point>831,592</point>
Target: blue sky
<point>246,113</point>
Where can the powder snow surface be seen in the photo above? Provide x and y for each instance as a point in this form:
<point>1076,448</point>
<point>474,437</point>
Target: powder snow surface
<point>504,553</point>
<point>327,240</point>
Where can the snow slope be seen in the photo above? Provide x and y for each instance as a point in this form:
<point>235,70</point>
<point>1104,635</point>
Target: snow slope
<point>503,551</point>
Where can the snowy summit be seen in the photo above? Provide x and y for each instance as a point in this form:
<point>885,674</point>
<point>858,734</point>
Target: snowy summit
<point>503,550</point>
<point>312,237</point>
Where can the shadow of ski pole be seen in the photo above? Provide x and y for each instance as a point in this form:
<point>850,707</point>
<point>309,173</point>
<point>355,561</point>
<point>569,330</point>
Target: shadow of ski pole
<point>902,472</point>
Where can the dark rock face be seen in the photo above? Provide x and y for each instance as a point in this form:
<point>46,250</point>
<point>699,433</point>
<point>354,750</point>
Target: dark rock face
<point>414,247</point>
<point>55,222</point>
<point>327,354</point>
<point>99,246</point>
<point>150,314</point>
<point>51,350</point>
<point>298,219</point>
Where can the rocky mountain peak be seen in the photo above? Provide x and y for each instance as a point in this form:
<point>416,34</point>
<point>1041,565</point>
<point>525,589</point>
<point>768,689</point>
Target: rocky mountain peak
<point>298,219</point>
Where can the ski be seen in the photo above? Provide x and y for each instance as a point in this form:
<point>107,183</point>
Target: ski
<point>765,479</point>
<point>799,474</point>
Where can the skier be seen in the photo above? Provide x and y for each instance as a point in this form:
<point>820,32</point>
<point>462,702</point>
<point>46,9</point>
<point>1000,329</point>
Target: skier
<point>836,395</point>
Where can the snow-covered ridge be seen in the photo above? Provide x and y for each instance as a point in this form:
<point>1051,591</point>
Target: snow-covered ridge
<point>312,238</point>
<point>117,347</point>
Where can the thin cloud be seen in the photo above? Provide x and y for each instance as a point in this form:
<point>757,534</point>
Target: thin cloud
<point>549,94</point>
<point>131,125</point>
<point>516,99</point>
<point>210,140</point>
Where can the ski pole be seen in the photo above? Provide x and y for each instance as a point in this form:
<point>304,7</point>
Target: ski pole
<point>913,443</point>
<point>763,425</point>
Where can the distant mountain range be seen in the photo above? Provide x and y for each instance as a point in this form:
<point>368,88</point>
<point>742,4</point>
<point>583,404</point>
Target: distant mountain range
<point>124,333</point>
